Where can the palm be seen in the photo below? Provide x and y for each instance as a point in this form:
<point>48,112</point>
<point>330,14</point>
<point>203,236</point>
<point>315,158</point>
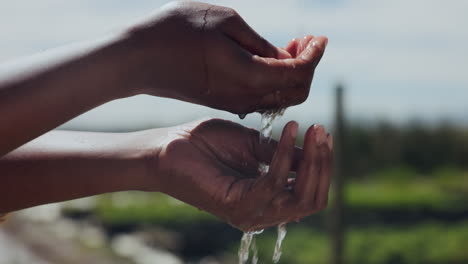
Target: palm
<point>217,163</point>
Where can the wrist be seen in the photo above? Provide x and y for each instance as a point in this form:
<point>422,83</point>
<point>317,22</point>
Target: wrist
<point>145,152</point>
<point>139,61</point>
<point>123,58</point>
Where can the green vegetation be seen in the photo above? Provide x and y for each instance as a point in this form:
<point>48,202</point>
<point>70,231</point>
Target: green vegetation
<point>378,240</point>
<point>444,190</point>
<point>425,243</point>
<point>447,190</point>
<point>147,208</point>
<point>407,196</point>
<point>415,145</point>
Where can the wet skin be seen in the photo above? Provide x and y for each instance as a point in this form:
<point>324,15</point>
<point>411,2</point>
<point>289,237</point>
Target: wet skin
<point>213,165</point>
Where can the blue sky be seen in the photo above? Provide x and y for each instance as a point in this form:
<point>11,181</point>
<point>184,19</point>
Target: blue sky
<point>398,59</point>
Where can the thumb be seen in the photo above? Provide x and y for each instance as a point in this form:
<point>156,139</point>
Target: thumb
<point>239,31</point>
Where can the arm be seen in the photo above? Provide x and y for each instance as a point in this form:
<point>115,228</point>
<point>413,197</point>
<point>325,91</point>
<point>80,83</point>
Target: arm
<point>64,165</point>
<point>210,164</point>
<point>39,97</point>
<point>189,51</point>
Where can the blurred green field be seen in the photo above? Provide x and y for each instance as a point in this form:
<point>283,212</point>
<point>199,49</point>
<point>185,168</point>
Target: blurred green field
<point>445,190</point>
<point>421,243</point>
<point>394,216</point>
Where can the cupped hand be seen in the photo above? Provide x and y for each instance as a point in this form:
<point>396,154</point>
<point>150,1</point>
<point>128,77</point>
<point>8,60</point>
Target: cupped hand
<point>214,165</point>
<point>208,55</point>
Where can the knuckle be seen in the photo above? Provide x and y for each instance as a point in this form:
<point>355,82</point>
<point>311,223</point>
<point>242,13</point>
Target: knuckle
<point>172,5</point>
<point>231,12</point>
<point>230,15</point>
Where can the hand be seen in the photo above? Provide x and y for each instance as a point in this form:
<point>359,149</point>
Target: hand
<point>213,165</point>
<point>208,55</point>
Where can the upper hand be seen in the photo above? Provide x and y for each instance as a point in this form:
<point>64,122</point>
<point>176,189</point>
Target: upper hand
<point>213,165</point>
<point>209,55</point>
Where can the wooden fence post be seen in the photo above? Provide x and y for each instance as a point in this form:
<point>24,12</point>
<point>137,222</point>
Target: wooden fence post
<point>336,213</point>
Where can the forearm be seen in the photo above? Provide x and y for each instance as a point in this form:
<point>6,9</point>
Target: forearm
<point>39,97</point>
<point>64,165</point>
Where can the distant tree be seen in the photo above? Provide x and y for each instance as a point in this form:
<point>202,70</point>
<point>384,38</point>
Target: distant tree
<point>415,145</point>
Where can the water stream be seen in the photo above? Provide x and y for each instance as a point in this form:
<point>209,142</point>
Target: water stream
<point>281,235</point>
<point>248,239</point>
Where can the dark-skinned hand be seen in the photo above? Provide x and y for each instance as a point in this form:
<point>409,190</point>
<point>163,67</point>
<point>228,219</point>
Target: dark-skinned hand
<point>214,165</point>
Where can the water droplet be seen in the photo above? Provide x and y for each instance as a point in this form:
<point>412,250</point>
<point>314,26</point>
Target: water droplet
<point>266,128</point>
<point>258,232</point>
<point>255,251</point>
<point>279,240</point>
<point>242,116</point>
<point>244,248</point>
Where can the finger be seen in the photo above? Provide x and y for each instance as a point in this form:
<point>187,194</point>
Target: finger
<point>297,45</point>
<point>292,47</point>
<point>264,150</point>
<point>309,50</point>
<point>307,176</point>
<point>249,39</point>
<point>284,156</point>
<point>303,43</point>
<point>314,50</point>
<point>291,77</point>
<point>321,198</point>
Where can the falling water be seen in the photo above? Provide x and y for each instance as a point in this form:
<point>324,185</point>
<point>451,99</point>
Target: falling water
<point>267,120</point>
<point>279,240</point>
<point>248,239</point>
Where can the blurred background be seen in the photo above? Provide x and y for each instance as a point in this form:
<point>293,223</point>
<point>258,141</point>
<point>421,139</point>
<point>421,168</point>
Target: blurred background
<point>392,87</point>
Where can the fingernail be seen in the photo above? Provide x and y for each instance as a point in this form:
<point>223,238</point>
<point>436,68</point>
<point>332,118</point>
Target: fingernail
<point>321,139</point>
<point>319,43</point>
<point>294,127</point>
<point>324,42</point>
<point>330,141</point>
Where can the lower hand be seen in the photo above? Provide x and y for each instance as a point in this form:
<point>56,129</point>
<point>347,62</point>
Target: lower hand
<point>213,165</point>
